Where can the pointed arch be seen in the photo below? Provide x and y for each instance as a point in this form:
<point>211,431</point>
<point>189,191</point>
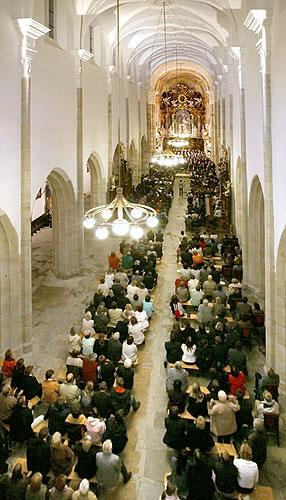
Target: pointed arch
<point>279,343</point>
<point>133,162</point>
<point>144,155</point>
<point>97,182</point>
<point>65,249</point>
<point>115,170</point>
<point>9,287</point>
<point>257,242</point>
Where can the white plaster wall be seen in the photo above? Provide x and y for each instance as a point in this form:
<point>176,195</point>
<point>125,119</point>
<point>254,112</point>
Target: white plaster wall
<point>143,111</point>
<point>254,116</point>
<point>114,93</point>
<point>95,115</point>
<point>10,117</point>
<point>133,115</point>
<point>278,77</point>
<point>236,120</point>
<point>53,114</point>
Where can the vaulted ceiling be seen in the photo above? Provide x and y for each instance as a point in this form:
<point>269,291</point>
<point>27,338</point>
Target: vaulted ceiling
<point>199,31</point>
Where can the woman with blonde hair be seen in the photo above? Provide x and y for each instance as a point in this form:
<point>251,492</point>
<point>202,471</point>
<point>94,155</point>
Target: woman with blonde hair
<point>132,289</point>
<point>87,322</point>
<point>135,329</point>
<point>248,474</point>
<point>218,307</point>
<point>128,312</point>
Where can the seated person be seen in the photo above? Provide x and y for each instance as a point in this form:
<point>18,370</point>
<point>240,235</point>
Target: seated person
<point>177,372</point>
<point>129,349</point>
<point>175,435</point>
<point>74,365</point>
<point>75,423</point>
<point>95,427</point>
<point>236,381</point>
<point>125,371</point>
<point>248,474</point>
<point>200,473</point>
<point>197,402</point>
<point>196,296</point>
<point>135,329</point>
<point>173,349</point>
<point>268,406</point>
<point>226,475</point>
<point>122,399</point>
<point>204,313</point>
<point>170,493</point>
<point>8,363</point>
<point>177,397</point>
<point>257,439</point>
<point>270,378</point>
<point>189,351</point>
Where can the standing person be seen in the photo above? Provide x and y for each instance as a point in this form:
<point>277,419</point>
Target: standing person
<point>20,421</point>
<point>50,387</point>
<point>109,467</point>
<point>181,187</point>
<point>9,363</point>
<point>60,490</point>
<point>248,473</point>
<point>222,414</point>
<point>83,492</point>
<point>36,489</point>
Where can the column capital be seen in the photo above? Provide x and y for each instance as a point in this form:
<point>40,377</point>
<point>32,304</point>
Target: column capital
<point>80,56</point>
<point>139,86</point>
<point>257,19</point>
<point>30,31</point>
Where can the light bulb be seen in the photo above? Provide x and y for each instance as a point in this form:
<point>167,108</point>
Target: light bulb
<point>136,213</point>
<point>136,232</point>
<point>181,161</point>
<point>168,162</point>
<point>174,161</point>
<point>161,162</point>
<point>88,223</point>
<point>101,233</point>
<point>120,227</point>
<point>106,213</point>
<point>152,221</point>
<point>154,159</point>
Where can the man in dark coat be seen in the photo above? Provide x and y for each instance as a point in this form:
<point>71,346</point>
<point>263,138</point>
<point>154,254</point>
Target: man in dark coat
<point>38,453</point>
<point>20,421</point>
<point>57,414</point>
<point>102,401</point>
<point>122,399</point>
<point>114,348</point>
<point>125,371</point>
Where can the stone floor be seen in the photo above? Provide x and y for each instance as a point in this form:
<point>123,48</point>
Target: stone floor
<point>59,304</point>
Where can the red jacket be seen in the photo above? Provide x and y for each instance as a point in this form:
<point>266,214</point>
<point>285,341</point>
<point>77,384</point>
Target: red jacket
<point>89,371</point>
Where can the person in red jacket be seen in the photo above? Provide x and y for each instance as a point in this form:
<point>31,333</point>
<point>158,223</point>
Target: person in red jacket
<point>8,363</point>
<point>89,369</point>
<point>114,261</point>
<point>236,381</point>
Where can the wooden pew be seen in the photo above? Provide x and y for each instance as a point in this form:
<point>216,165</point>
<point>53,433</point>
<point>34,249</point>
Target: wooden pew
<point>73,476</point>
<point>203,389</point>
<point>219,448</point>
<point>187,416</point>
<point>185,365</point>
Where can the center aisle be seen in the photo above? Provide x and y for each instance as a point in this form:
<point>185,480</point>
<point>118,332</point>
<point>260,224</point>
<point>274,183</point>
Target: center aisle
<point>145,453</point>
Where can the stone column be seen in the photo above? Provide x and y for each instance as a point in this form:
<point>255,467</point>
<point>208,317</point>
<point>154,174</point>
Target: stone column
<point>238,53</point>
<point>139,166</point>
<point>218,118</point>
<point>110,72</point>
<point>223,121</point>
<point>260,21</point>
<point>127,120</point>
<point>30,31</point>
<point>230,120</point>
<point>81,56</point>
<point>212,123</point>
<point>151,125</point>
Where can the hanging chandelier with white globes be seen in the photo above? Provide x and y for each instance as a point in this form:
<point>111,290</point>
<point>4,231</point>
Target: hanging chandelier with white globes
<point>168,159</point>
<point>121,217</point>
<point>178,143</point>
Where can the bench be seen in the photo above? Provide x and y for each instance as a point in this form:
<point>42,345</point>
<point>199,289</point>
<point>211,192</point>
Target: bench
<point>187,416</point>
<point>259,492</point>
<point>219,448</point>
<point>73,476</point>
<point>185,365</point>
<point>134,363</point>
<point>204,390</point>
<point>34,401</point>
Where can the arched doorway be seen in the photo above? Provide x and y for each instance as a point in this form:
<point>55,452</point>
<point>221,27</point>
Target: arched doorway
<point>97,184</point>
<point>64,223</point>
<point>276,352</point>
<point>10,323</point>
<point>256,239</point>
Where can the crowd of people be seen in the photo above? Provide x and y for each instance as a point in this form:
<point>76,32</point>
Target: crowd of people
<point>82,420</point>
<point>211,344</point>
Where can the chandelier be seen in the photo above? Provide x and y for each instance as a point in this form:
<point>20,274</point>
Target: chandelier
<point>167,158</point>
<point>120,215</point>
<point>178,143</point>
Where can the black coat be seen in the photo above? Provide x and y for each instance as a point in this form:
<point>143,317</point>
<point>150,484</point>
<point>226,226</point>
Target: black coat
<point>102,401</point>
<point>20,424</point>
<point>121,400</point>
<point>175,435</point>
<point>114,350</point>
<point>174,351</point>
<point>199,438</point>
<point>86,463</point>
<point>117,434</point>
<point>31,387</point>
<point>38,456</point>
<point>200,481</point>
<point>57,417</point>
<point>128,376</point>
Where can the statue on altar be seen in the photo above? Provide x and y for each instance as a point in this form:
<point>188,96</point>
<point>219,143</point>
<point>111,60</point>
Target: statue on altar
<point>182,122</point>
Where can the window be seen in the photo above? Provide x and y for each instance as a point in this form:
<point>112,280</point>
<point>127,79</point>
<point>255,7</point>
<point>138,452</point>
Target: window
<point>52,18</point>
<point>91,39</point>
